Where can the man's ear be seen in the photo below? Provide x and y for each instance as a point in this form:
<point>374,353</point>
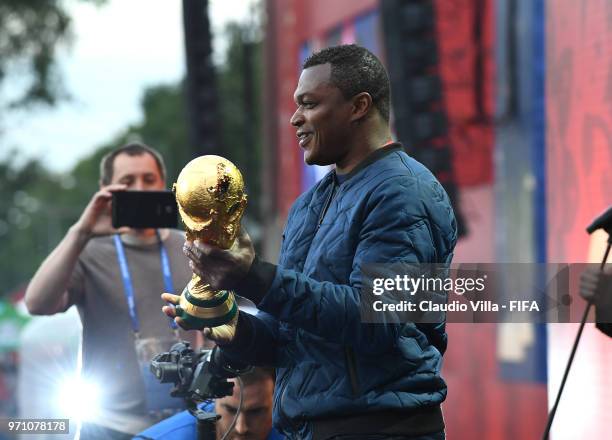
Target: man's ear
<point>362,104</point>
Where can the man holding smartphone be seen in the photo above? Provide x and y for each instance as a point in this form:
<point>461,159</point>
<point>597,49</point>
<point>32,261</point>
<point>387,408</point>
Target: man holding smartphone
<point>114,277</point>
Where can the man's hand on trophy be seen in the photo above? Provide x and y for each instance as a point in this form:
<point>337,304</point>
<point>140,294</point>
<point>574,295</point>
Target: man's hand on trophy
<point>221,268</point>
<point>96,219</point>
<point>223,334</point>
<point>171,310</point>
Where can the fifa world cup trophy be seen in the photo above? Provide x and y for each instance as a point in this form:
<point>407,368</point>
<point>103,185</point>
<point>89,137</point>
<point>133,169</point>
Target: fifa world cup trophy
<point>211,200</point>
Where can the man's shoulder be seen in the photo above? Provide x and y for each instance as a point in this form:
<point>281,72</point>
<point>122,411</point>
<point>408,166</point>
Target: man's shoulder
<point>101,241</point>
<point>179,426</point>
<point>397,175</point>
<point>275,435</point>
<point>398,184</point>
<point>398,166</point>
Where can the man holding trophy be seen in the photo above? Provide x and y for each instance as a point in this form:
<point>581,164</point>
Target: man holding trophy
<point>337,377</point>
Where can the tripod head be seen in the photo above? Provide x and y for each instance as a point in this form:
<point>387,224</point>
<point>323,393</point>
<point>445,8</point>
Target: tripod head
<point>198,376</point>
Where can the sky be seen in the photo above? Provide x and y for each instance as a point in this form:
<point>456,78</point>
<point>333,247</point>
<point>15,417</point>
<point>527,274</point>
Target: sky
<point>113,58</point>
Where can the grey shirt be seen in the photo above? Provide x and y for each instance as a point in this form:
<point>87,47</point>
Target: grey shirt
<point>108,354</point>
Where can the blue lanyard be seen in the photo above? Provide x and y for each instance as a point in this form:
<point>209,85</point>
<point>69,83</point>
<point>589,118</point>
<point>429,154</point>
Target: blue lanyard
<point>127,279</point>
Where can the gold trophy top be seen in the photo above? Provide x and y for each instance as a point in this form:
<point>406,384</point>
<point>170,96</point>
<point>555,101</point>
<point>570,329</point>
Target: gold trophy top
<point>211,200</point>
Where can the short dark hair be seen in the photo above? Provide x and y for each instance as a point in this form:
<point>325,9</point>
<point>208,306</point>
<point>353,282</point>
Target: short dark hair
<point>354,69</point>
<point>258,374</point>
<point>131,149</point>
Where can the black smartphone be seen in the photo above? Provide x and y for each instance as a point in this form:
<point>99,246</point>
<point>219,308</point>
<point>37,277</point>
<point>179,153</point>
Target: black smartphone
<point>144,209</point>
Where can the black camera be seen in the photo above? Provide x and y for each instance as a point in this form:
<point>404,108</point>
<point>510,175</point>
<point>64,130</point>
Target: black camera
<point>196,376</point>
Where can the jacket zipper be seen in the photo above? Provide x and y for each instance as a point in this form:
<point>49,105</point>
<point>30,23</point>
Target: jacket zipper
<point>330,197</point>
<point>351,366</point>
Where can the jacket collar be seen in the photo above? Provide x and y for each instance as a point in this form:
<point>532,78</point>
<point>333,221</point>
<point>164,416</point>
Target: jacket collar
<point>373,157</point>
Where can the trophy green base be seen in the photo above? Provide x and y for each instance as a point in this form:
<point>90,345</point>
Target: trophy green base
<point>200,314</point>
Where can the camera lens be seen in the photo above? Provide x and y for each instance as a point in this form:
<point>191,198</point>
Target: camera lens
<point>165,372</point>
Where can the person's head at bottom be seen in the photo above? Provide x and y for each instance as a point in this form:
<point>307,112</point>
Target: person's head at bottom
<point>255,419</point>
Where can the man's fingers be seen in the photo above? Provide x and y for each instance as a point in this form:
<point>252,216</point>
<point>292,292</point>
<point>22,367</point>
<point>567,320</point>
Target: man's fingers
<point>172,311</point>
<point>171,298</point>
<point>191,254</point>
<point>197,261</point>
<point>589,276</point>
<point>115,187</point>
<point>195,269</point>
<point>194,252</point>
<point>210,334</point>
<point>107,191</point>
<point>588,280</point>
<point>182,324</point>
<point>169,311</point>
<point>587,283</point>
<point>203,254</point>
<point>104,195</point>
<point>243,237</point>
<point>206,278</point>
<point>206,250</point>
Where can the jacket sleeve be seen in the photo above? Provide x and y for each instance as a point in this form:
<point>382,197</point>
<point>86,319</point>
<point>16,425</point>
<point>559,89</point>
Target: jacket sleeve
<point>256,340</point>
<point>390,232</point>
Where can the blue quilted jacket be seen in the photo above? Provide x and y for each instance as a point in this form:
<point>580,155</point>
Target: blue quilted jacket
<point>389,209</point>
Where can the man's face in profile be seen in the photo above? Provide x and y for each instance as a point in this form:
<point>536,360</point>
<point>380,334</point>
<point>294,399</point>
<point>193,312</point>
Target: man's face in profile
<point>138,173</point>
<point>322,118</point>
<point>255,419</point>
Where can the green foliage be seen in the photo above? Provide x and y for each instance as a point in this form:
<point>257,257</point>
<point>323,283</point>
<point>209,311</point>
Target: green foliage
<point>31,31</point>
<point>36,208</point>
<point>165,126</point>
<point>241,134</point>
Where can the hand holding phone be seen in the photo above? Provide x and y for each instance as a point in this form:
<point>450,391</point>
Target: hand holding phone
<point>96,217</point>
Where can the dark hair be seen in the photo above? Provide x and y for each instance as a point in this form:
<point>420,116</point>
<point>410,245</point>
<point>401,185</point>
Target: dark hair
<point>131,149</point>
<point>354,69</point>
<point>258,374</point>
